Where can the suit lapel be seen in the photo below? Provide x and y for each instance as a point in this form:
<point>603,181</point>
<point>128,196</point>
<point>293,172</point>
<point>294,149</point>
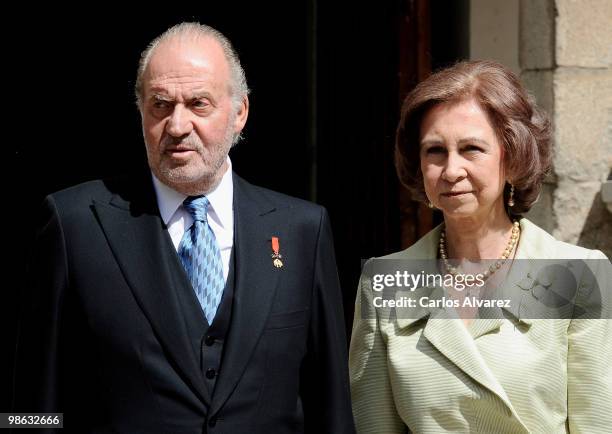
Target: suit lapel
<point>138,239</point>
<point>256,221</point>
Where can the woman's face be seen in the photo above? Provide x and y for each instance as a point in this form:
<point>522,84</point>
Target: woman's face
<point>461,160</point>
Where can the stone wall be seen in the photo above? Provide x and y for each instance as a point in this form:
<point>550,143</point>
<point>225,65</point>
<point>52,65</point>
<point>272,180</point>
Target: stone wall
<point>494,31</point>
<point>565,54</point>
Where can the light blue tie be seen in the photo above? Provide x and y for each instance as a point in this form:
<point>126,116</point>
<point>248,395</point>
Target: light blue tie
<point>201,257</point>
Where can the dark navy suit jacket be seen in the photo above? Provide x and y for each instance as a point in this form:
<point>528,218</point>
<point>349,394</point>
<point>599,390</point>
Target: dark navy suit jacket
<point>104,340</point>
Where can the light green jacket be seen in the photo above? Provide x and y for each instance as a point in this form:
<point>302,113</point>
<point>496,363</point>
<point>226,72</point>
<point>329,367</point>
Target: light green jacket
<point>429,373</point>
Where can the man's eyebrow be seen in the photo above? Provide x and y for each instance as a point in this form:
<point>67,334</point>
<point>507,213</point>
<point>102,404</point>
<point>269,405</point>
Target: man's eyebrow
<point>161,97</point>
<point>200,94</point>
<point>158,96</point>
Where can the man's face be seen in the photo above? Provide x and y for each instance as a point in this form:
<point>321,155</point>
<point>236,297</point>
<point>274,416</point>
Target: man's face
<point>189,119</point>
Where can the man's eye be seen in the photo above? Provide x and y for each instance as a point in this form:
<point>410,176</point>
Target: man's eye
<point>200,104</point>
<point>472,148</point>
<point>160,105</point>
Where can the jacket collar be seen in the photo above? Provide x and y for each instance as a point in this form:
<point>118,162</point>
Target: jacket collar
<point>453,339</point>
<point>534,243</point>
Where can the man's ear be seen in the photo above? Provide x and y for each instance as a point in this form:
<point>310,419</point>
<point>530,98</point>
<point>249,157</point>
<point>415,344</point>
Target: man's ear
<point>241,115</point>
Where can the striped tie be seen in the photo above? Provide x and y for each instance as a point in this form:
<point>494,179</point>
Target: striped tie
<point>201,257</point>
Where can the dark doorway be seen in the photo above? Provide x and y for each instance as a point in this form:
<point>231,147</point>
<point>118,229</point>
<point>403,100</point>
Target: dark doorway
<point>326,80</point>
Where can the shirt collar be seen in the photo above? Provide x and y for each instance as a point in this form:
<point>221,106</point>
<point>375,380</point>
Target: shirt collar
<point>221,198</point>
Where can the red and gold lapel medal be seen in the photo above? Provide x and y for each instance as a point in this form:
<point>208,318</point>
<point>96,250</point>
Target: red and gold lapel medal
<point>276,256</point>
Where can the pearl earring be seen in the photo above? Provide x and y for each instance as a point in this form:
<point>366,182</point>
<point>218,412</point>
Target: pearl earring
<point>511,196</point>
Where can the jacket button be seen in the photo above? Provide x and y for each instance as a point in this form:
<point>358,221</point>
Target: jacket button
<point>209,340</point>
<point>212,421</point>
<point>210,373</point>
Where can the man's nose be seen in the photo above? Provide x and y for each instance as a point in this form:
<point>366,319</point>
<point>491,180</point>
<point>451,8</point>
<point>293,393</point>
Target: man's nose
<point>179,123</point>
<point>455,168</point>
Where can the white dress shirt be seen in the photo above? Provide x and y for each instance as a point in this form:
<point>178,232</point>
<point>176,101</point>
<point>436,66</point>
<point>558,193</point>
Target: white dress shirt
<point>220,214</point>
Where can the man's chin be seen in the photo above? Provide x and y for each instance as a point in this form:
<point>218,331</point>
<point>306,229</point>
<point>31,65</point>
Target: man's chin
<point>188,178</point>
<point>189,182</point>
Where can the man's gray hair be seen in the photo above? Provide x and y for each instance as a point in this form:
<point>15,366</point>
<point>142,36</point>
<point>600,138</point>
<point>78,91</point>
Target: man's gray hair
<point>238,84</point>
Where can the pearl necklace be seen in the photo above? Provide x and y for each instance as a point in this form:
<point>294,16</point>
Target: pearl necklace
<point>516,230</point>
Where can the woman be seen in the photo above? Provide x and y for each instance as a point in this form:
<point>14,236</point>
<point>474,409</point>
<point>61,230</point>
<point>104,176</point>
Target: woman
<point>472,144</point>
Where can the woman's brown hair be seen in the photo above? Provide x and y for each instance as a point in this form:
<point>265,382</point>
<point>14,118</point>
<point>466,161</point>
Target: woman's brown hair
<point>522,128</point>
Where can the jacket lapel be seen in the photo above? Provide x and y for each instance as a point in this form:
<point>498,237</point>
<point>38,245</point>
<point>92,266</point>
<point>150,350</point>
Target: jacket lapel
<point>139,240</point>
<point>456,342</point>
<point>534,244</point>
<point>256,221</point>
<point>449,336</point>
<point>452,339</point>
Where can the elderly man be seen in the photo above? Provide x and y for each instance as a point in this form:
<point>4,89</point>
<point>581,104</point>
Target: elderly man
<point>185,300</point>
